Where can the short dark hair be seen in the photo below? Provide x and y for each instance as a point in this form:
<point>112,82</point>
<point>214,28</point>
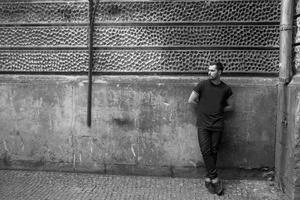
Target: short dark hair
<point>219,65</point>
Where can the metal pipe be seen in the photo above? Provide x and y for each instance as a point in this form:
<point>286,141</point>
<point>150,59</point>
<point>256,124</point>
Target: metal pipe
<point>285,75</point>
<point>286,40</point>
<point>90,70</point>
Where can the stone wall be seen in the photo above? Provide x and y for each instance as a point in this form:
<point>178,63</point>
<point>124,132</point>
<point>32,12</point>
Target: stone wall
<point>140,36</point>
<point>148,56</point>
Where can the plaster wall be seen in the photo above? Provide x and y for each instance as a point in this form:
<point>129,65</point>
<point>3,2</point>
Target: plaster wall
<point>289,140</point>
<point>290,159</point>
<point>140,124</point>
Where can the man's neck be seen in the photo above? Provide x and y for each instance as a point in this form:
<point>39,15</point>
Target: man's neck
<point>216,81</point>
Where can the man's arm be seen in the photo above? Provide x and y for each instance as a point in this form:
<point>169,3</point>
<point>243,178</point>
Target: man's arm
<point>194,98</point>
<point>230,104</point>
<point>193,101</point>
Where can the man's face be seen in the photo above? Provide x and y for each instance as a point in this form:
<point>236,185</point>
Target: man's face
<point>213,73</point>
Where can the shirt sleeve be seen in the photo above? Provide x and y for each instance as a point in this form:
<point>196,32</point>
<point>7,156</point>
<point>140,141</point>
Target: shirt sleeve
<point>228,93</point>
<point>198,88</point>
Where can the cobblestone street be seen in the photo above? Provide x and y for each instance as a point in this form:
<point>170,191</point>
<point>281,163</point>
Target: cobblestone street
<point>37,185</point>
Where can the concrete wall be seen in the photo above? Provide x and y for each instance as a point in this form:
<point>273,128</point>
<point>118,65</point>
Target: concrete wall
<point>288,148</point>
<point>140,124</point>
<point>289,161</point>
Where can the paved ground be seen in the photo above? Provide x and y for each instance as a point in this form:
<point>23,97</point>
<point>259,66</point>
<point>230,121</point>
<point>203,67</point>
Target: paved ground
<point>35,185</point>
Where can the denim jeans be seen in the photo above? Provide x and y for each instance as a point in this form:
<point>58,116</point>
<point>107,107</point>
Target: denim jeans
<point>209,142</point>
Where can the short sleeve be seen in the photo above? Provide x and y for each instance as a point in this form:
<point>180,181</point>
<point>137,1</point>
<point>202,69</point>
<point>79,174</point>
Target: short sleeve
<point>228,93</point>
<point>198,88</point>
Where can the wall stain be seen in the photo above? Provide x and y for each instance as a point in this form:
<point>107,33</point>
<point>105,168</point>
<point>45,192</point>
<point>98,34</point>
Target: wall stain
<point>123,122</point>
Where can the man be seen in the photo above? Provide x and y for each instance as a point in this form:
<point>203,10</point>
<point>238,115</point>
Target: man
<point>209,100</point>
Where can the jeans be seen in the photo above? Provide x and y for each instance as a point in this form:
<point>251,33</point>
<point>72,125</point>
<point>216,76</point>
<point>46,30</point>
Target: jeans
<point>209,142</point>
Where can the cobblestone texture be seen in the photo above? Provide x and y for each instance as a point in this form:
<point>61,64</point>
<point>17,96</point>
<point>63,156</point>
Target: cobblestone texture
<point>34,185</point>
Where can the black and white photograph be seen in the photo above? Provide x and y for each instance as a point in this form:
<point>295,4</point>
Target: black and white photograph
<point>149,100</point>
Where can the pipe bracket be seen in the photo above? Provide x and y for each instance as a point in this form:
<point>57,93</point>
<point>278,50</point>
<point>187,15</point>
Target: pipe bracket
<point>284,80</point>
<point>285,27</point>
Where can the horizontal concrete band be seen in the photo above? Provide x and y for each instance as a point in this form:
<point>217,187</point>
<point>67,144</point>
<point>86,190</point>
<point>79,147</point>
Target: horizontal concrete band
<point>151,79</point>
<point>135,80</point>
<point>136,120</point>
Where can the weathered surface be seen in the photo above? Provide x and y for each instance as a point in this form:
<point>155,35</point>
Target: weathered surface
<point>145,37</point>
<point>290,163</point>
<point>21,185</point>
<point>35,120</point>
<point>249,138</point>
<point>139,124</point>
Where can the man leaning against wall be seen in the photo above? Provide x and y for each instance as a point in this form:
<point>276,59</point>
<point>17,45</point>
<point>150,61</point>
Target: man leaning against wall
<point>209,100</point>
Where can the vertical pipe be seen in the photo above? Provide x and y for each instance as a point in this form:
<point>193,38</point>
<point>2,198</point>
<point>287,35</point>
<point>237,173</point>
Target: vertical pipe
<point>286,40</point>
<point>285,75</point>
<point>91,27</point>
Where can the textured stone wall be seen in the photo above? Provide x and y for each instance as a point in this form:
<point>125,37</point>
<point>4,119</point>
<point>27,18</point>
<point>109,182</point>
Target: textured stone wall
<point>138,122</point>
<point>140,36</point>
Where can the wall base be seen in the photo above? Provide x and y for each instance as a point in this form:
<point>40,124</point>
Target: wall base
<point>123,169</point>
